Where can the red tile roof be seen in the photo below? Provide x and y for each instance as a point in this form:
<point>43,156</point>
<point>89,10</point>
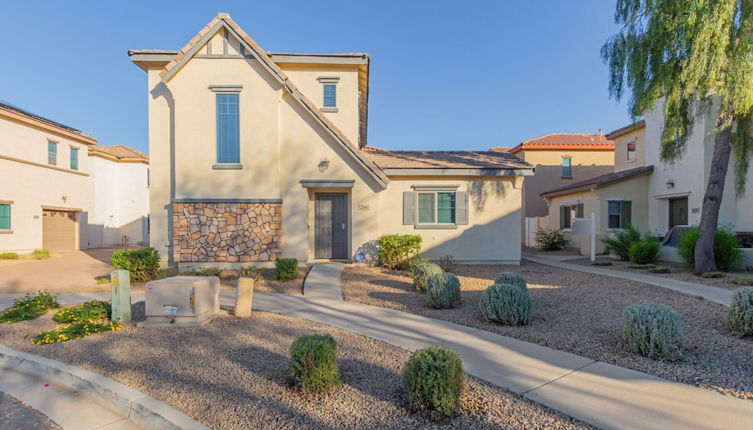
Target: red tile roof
<point>563,141</point>
<point>120,152</point>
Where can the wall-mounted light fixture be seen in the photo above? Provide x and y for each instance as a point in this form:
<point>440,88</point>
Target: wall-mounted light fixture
<point>323,164</point>
<point>64,198</point>
<point>670,184</point>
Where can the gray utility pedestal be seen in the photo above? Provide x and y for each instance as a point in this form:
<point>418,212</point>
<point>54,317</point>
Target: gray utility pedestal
<point>182,301</point>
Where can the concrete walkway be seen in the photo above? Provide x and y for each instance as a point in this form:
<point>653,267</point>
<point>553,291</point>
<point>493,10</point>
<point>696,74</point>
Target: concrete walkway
<point>71,271</point>
<point>69,409</point>
<point>323,282</point>
<point>717,295</point>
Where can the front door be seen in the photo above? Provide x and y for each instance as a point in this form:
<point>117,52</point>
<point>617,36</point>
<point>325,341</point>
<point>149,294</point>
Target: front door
<point>678,212</point>
<point>331,226</point>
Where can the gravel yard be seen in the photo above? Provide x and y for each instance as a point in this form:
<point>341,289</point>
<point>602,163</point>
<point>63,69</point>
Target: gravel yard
<point>229,375</point>
<point>582,314</point>
<point>679,272</point>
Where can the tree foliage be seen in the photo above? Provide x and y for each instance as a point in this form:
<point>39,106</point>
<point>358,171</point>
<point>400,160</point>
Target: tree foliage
<point>691,53</point>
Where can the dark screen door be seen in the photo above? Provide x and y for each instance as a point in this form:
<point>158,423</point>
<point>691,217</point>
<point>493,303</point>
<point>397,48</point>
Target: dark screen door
<point>678,212</point>
<point>331,226</point>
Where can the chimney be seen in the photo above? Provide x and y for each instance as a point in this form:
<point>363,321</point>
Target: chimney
<point>600,132</point>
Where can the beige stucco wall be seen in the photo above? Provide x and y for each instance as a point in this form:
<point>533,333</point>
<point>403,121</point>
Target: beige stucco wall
<point>597,201</point>
<point>620,150</point>
<point>280,145</point>
<point>30,187</point>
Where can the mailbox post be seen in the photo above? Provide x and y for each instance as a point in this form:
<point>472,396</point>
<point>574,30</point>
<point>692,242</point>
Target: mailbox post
<point>120,289</point>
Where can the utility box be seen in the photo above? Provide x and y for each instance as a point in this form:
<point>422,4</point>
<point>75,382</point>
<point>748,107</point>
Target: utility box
<point>182,301</point>
<point>120,292</point>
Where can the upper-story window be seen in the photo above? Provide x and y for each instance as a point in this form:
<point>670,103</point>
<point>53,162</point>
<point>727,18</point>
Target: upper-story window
<point>228,128</point>
<point>52,153</point>
<point>631,151</point>
<point>74,158</point>
<point>330,95</point>
<point>567,167</point>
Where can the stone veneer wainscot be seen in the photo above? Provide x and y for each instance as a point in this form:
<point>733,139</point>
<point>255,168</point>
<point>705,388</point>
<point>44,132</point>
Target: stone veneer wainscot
<point>226,232</point>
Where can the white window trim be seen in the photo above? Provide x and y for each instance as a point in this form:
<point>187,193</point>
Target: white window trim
<point>329,80</point>
<point>434,224</point>
<point>627,151</point>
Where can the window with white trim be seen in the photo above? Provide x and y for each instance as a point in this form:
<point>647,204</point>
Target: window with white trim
<point>436,207</point>
<point>330,95</point>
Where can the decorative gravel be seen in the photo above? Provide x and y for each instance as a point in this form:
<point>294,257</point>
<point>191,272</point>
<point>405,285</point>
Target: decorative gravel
<point>678,272</point>
<point>582,314</point>
<point>230,375</point>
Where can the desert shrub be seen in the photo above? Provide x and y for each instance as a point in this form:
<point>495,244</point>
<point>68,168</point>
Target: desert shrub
<point>412,262</point>
<point>727,251</point>
<point>447,262</point>
<point>740,316</point>
<point>713,275</point>
<point>645,252</point>
<point>286,269</point>
<point>434,381</point>
<point>443,290</point>
<point>208,271</point>
<point>550,239</point>
<point>40,254</point>
<point>8,256</point>
<point>506,304</point>
<point>421,274</point>
<point>512,279</point>
<point>142,264</point>
<point>313,364</point>
<point>743,280</point>
<point>90,311</point>
<point>29,307</point>
<point>395,249</point>
<point>653,330</point>
<point>76,330</point>
<point>601,263</point>
<point>660,269</point>
<point>621,242</point>
<point>253,272</point>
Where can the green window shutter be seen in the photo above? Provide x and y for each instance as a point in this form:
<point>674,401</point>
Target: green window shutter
<point>409,208</point>
<point>562,217</point>
<point>4,217</point>
<point>626,209</point>
<point>461,208</point>
<point>446,208</point>
<point>580,210</point>
<point>426,209</point>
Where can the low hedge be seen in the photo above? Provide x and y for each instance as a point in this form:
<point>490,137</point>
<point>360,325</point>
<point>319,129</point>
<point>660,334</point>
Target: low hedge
<point>434,381</point>
<point>142,264</point>
<point>286,269</point>
<point>313,364</point>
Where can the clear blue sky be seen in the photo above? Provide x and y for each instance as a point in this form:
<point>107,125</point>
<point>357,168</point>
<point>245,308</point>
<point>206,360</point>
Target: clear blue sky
<point>444,75</point>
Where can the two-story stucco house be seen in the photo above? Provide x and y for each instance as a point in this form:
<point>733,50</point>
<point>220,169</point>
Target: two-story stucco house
<point>62,191</point>
<point>258,155</point>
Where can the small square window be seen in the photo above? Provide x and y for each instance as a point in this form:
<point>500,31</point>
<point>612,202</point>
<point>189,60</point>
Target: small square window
<point>52,153</point>
<point>330,95</point>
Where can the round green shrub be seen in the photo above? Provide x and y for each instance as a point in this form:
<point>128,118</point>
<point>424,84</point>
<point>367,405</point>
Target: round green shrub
<point>286,269</point>
<point>434,381</point>
<point>313,364</point>
<point>412,262</point>
<point>421,274</point>
<point>645,252</point>
<point>142,264</point>
<point>443,290</point>
<point>727,251</point>
<point>740,317</point>
<point>512,279</point>
<point>653,330</point>
<point>506,304</point>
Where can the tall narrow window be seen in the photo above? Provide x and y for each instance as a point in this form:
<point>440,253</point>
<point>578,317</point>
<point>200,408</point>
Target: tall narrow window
<point>631,151</point>
<point>4,217</point>
<point>330,95</point>
<point>567,167</point>
<point>52,153</point>
<point>228,129</point>
<point>74,158</point>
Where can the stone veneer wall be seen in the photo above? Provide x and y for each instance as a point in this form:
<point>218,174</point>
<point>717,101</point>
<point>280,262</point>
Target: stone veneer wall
<point>226,232</point>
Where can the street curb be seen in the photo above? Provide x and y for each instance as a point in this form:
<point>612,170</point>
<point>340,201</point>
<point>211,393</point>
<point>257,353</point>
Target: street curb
<point>142,409</point>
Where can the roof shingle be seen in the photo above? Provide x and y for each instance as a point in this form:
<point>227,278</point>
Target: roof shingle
<point>119,151</point>
<point>599,181</point>
<point>445,160</point>
<point>563,141</point>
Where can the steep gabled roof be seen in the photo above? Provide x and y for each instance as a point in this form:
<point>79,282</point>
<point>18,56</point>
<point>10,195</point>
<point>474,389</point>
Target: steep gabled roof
<point>599,181</point>
<point>555,141</point>
<point>223,21</point>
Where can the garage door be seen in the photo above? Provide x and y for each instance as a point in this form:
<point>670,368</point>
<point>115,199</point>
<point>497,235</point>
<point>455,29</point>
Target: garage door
<point>58,229</point>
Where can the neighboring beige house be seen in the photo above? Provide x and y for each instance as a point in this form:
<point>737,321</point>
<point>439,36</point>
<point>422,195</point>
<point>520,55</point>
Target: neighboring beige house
<point>617,198</point>
<point>53,184</point>
<point>258,155</point>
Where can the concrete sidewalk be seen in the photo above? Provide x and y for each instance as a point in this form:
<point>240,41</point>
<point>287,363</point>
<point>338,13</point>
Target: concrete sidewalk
<point>323,282</point>
<point>717,295</point>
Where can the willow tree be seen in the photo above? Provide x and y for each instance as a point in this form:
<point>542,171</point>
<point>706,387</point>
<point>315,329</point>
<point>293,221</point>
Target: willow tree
<point>695,56</point>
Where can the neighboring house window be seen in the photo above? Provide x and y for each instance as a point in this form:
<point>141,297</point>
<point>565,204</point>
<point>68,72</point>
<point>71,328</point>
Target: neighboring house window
<point>148,178</point>
<point>631,151</point>
<point>567,167</point>
<point>330,95</point>
<point>52,153</point>
<point>228,129</point>
<point>619,213</point>
<point>4,216</point>
<point>74,158</point>
<point>436,208</point>
<point>568,212</point>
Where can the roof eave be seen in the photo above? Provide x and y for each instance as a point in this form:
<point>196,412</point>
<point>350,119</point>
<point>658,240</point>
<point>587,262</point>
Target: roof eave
<point>457,172</point>
<point>34,122</point>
